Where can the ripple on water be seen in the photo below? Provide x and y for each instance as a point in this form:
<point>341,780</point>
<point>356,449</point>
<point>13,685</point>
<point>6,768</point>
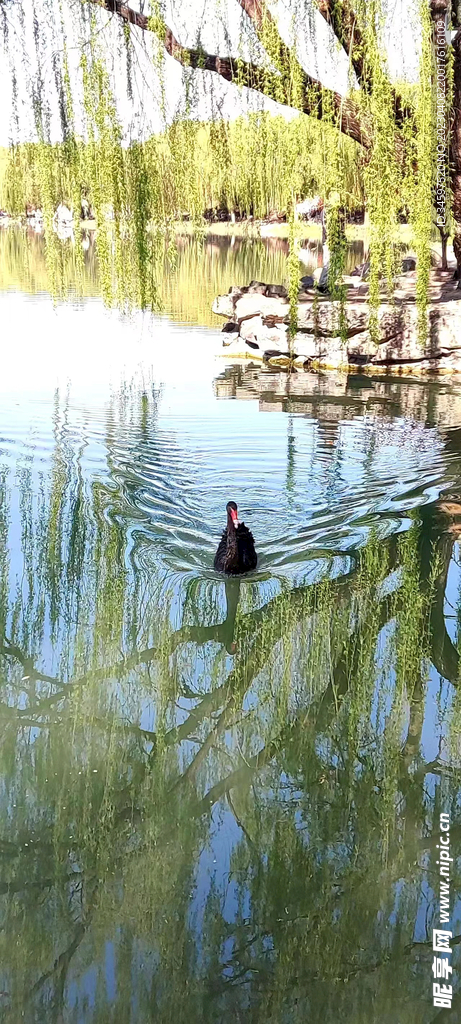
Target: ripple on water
<point>299,496</point>
<point>172,453</point>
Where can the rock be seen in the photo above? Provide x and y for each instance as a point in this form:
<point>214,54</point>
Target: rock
<point>255,330</point>
<point>330,352</point>
<point>325,319</point>
<point>358,359</point>
<point>251,328</point>
<point>223,305</point>
<point>321,278</point>
<point>362,270</point>
<point>235,292</point>
<point>305,347</point>
<point>271,320</point>
<point>257,288</point>
<point>86,212</point>
<point>262,322</point>
<point>403,347</point>
<point>361,348</point>
<point>276,291</point>
<point>276,337</point>
<point>445,326</point>
<point>235,347</point>
<point>63,216</point>
<point>273,353</point>
<point>254,304</point>
<point>357,283</point>
<point>309,207</point>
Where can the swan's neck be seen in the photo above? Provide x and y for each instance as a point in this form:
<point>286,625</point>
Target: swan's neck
<point>231,543</point>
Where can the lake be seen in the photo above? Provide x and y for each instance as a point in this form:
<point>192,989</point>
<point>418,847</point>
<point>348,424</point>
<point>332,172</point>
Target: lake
<point>220,799</point>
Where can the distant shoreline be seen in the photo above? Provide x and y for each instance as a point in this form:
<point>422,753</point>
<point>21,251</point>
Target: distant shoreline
<point>304,229</point>
<point>251,229</point>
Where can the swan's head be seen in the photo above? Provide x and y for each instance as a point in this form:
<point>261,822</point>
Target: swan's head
<point>231,509</point>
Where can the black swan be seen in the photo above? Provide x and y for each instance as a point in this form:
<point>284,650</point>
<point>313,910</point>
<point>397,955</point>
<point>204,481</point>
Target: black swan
<point>236,551</point>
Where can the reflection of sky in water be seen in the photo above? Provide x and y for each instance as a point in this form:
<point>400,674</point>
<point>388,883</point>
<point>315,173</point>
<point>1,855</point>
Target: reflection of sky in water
<point>307,486</point>
<point>197,450</point>
<point>301,484</point>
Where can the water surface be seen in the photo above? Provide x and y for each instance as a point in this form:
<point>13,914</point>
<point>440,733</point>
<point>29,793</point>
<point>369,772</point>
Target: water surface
<point>219,800</point>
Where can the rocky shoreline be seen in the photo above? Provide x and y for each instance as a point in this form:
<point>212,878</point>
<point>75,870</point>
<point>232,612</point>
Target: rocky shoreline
<point>258,318</point>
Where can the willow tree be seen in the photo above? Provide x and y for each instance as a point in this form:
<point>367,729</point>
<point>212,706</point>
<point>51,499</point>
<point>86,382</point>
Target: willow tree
<point>397,133</point>
<point>394,126</point>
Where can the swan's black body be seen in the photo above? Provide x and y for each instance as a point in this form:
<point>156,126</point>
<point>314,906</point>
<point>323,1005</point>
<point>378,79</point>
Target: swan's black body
<point>236,551</point>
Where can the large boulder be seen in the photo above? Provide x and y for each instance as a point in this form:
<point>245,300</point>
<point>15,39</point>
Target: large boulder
<point>251,305</point>
<point>252,328</point>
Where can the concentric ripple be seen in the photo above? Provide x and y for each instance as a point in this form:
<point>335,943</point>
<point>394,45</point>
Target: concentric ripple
<point>313,463</point>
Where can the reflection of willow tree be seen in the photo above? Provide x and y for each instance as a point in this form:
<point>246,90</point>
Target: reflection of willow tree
<point>298,718</point>
<point>203,267</point>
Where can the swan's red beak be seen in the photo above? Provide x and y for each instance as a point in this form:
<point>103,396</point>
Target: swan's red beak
<point>234,515</point>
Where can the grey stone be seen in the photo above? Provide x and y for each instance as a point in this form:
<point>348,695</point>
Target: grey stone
<point>254,304</point>
<point>257,288</point>
<point>251,329</point>
<point>362,270</point>
<point>321,278</point>
<point>276,291</point>
<point>223,305</point>
<point>235,291</point>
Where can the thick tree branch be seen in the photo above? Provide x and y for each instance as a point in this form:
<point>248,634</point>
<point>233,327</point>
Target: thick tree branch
<point>343,20</point>
<point>244,73</point>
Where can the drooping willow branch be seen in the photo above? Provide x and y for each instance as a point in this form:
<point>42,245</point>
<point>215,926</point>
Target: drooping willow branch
<point>342,19</point>
<point>316,98</point>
